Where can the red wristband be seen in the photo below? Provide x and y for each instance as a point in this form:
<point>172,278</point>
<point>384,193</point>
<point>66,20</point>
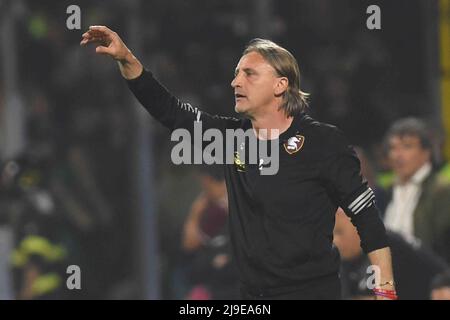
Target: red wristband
<point>385,291</point>
<point>390,294</point>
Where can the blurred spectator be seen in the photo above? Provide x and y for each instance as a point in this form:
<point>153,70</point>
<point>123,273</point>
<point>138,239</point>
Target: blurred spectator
<point>206,241</point>
<point>208,212</point>
<point>40,234</point>
<point>414,267</point>
<point>419,208</point>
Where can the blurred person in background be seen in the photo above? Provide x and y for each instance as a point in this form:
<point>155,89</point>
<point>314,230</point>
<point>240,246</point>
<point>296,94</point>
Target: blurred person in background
<point>206,241</point>
<point>41,238</point>
<point>41,235</point>
<point>419,205</point>
<point>414,266</point>
<point>209,211</point>
<point>52,201</point>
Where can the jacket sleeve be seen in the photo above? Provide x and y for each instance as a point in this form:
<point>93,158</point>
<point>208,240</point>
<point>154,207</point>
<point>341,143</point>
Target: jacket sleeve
<point>170,111</point>
<point>351,192</point>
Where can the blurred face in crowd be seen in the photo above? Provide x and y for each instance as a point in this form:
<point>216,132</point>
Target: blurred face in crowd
<point>346,237</point>
<point>407,155</point>
<point>257,87</point>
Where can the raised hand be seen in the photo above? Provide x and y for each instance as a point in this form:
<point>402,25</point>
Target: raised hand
<point>110,44</point>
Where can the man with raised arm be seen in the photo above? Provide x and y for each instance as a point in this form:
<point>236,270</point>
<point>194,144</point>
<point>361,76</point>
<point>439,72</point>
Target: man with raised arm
<point>281,225</point>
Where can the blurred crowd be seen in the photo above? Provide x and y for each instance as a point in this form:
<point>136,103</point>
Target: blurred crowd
<point>66,197</point>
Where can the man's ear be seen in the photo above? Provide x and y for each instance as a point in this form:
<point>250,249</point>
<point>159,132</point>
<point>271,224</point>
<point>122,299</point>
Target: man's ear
<point>281,86</point>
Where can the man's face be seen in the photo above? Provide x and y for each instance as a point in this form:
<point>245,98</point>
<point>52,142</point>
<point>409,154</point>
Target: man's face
<point>406,156</point>
<point>255,84</point>
<point>345,237</point>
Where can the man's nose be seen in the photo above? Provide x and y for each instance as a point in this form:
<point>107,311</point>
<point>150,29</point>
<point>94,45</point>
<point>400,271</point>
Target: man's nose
<point>236,82</point>
<point>233,83</point>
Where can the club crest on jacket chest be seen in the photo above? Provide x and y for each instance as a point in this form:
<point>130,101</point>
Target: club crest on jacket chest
<point>294,144</point>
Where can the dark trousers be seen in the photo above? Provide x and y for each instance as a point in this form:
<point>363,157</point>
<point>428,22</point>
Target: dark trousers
<point>328,288</point>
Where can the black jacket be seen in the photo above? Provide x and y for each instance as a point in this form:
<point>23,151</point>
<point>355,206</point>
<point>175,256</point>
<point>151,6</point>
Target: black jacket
<point>281,226</point>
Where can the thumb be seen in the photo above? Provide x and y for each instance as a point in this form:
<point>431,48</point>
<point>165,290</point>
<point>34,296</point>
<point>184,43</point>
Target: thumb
<point>103,50</point>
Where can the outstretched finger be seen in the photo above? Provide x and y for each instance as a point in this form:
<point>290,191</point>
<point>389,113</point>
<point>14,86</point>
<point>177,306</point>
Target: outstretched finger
<point>87,40</point>
<point>95,31</point>
<point>101,29</point>
<point>107,37</point>
<point>94,35</point>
